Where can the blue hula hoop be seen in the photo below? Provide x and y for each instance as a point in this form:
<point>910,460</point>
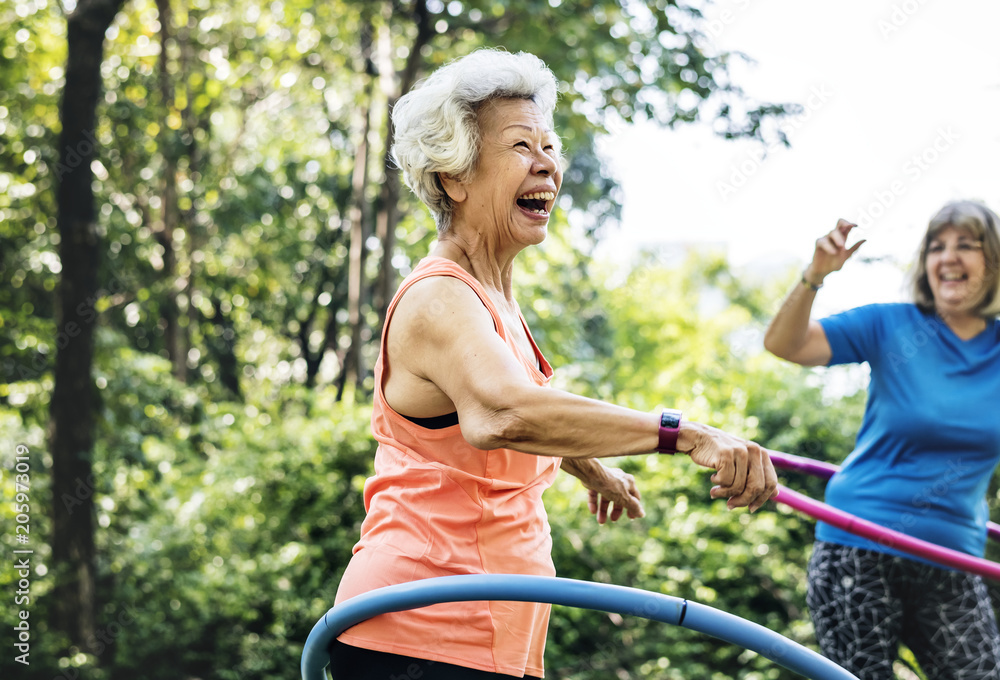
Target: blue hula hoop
<point>570,593</point>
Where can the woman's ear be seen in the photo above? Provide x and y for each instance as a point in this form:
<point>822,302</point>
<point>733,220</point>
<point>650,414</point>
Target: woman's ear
<point>454,187</point>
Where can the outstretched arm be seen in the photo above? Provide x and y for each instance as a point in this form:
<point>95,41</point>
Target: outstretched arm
<point>792,335</point>
<point>452,355</point>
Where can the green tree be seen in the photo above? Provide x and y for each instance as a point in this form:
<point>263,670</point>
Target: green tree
<point>705,358</point>
<point>73,408</point>
<point>251,232</point>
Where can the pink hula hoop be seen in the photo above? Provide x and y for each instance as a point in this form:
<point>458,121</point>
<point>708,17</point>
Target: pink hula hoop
<point>874,532</point>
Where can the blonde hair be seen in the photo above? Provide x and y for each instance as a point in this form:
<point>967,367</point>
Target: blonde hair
<point>982,223</point>
<point>436,124</point>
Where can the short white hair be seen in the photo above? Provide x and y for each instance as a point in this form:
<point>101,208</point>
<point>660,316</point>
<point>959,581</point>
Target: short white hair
<point>436,124</point>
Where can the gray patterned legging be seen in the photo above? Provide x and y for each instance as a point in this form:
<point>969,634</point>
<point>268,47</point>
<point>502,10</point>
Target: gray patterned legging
<point>864,603</point>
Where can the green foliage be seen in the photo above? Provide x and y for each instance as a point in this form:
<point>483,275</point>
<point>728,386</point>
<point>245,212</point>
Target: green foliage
<point>228,493</point>
<point>697,356</point>
<point>224,526</point>
<point>258,112</point>
<point>32,56</point>
<point>246,543</point>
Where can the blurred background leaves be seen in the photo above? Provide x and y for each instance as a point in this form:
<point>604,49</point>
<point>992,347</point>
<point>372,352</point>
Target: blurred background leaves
<point>251,233</point>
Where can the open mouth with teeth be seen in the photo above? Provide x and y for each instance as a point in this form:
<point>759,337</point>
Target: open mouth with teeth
<point>536,203</point>
<point>951,278</point>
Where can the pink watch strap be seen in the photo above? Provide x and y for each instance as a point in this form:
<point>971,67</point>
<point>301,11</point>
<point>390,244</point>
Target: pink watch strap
<point>670,427</point>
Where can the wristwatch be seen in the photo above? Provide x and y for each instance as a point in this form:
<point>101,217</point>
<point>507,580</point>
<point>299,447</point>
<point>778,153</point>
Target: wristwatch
<point>670,427</point>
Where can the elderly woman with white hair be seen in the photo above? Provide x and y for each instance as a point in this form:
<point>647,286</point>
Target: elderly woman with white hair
<point>924,457</point>
<point>469,432</point>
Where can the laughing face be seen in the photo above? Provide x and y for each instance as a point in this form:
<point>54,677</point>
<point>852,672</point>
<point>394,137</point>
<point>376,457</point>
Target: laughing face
<point>518,176</point>
<point>956,270</point>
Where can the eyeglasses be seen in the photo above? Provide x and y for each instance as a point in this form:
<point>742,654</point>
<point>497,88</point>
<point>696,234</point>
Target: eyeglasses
<point>963,245</point>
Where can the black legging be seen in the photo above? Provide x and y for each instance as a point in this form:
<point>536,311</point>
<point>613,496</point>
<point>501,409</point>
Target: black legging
<point>864,603</point>
<point>355,663</point>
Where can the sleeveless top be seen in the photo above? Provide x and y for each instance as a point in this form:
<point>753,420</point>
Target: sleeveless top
<point>437,506</point>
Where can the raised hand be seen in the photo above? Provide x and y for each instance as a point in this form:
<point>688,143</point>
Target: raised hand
<point>831,253</point>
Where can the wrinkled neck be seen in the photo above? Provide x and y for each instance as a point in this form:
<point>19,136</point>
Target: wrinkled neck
<point>481,257</point>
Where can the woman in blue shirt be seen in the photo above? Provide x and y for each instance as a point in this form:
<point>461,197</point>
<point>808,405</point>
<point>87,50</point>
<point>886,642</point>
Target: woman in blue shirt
<point>924,455</point>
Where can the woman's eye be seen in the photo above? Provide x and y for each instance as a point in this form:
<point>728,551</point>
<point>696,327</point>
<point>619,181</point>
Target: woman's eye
<point>524,144</point>
<point>935,248</point>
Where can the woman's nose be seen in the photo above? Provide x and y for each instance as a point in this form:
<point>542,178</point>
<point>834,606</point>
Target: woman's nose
<point>544,163</point>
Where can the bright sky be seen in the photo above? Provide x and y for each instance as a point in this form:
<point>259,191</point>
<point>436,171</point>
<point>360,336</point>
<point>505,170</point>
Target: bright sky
<point>902,114</point>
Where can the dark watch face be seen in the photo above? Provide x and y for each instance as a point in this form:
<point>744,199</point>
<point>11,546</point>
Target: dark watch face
<point>670,418</point>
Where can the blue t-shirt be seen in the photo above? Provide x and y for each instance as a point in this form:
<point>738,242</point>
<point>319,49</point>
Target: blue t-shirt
<point>930,438</point>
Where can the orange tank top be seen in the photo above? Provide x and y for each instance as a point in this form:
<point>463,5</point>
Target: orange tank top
<point>436,506</point>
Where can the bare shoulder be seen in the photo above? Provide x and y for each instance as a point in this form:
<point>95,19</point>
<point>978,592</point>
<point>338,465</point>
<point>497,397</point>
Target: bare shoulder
<point>439,340</point>
<point>432,305</point>
<point>431,317</point>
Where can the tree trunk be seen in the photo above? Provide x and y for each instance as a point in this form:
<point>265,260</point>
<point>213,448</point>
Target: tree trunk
<point>169,210</point>
<point>313,359</point>
<point>73,406</point>
<point>388,216</point>
<point>223,344</point>
<point>188,313</point>
<point>352,367</point>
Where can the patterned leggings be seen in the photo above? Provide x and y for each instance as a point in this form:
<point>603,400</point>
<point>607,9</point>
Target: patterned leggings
<point>864,603</point>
